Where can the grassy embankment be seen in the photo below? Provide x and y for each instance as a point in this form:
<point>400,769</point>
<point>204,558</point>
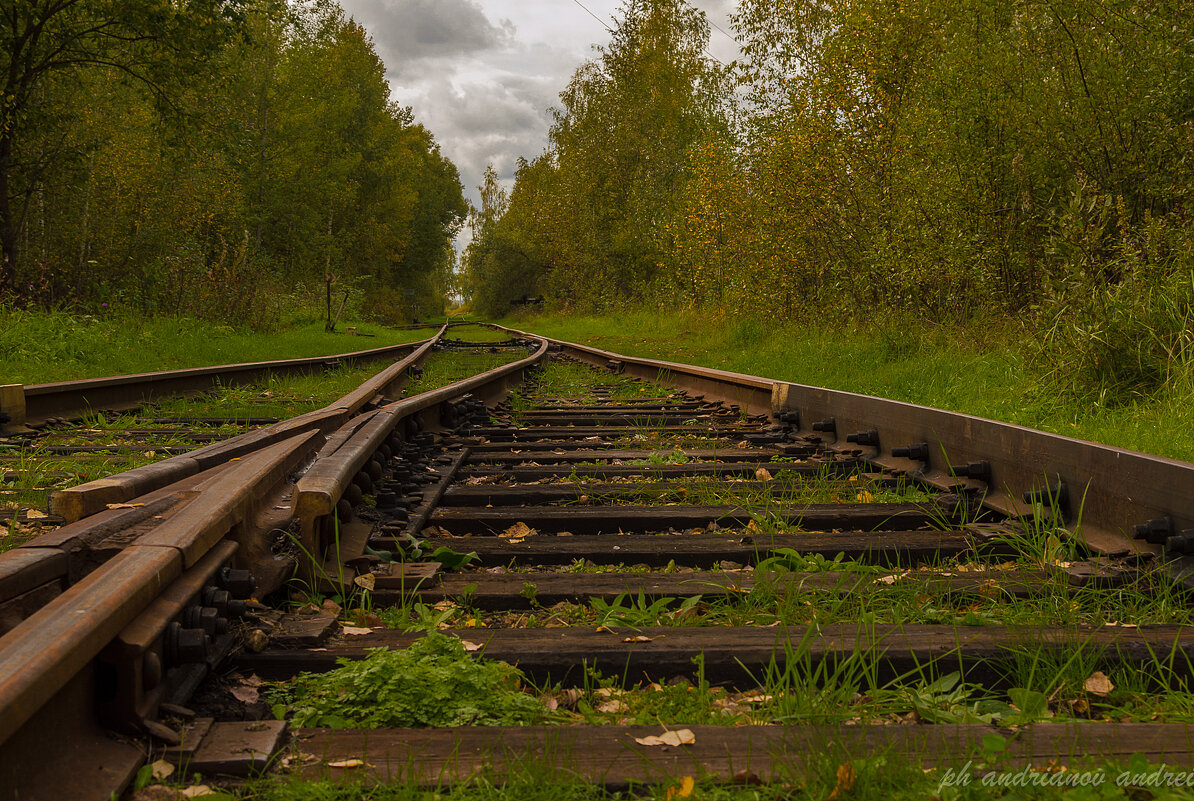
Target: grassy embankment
<point>986,368</point>
<point>38,347</point>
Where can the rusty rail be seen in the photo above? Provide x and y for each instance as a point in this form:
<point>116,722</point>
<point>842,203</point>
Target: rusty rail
<point>144,622</point>
<point>1105,495</point>
<point>94,496</point>
<point>36,403</point>
<point>319,491</point>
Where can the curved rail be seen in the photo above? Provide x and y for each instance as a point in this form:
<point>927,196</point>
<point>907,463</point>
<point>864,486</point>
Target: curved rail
<point>36,403</point>
<point>94,496</point>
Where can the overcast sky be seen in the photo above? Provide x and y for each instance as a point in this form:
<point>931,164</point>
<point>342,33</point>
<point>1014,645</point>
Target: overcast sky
<point>482,74</point>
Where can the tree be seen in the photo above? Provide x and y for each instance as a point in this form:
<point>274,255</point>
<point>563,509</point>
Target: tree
<point>48,39</point>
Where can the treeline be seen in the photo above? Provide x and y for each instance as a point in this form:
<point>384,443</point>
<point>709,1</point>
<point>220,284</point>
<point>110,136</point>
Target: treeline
<point>213,158</point>
<point>945,160</point>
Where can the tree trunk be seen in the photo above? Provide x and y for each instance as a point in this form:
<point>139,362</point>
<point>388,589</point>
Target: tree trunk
<point>327,273</point>
<point>8,232</point>
<point>327,277</point>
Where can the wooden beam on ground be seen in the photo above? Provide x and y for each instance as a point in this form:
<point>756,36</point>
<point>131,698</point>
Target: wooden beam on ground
<point>742,655</point>
<point>609,756</point>
<point>899,548</point>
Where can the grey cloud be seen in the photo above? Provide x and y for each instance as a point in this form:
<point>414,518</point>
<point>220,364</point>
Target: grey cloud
<point>407,32</point>
<point>483,87</point>
<point>484,121</point>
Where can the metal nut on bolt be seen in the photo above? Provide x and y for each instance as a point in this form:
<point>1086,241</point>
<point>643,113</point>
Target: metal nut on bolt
<point>868,438</point>
<point>919,452</point>
<point>185,645</point>
<point>980,471</point>
<point>239,583</point>
<point>1155,532</point>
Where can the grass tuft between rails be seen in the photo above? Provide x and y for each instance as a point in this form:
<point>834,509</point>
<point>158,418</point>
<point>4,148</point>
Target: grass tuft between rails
<point>432,683</point>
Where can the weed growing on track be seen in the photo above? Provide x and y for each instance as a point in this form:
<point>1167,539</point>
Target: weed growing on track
<point>434,682</point>
<point>576,384</point>
<point>477,333</point>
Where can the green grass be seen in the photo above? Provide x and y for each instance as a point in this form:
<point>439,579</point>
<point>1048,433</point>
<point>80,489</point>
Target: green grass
<point>448,367</point>
<point>477,333</point>
<point>40,347</point>
<point>832,773</point>
<point>983,368</point>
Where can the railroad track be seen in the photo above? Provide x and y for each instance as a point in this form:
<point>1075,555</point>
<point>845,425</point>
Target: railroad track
<point>835,575</point>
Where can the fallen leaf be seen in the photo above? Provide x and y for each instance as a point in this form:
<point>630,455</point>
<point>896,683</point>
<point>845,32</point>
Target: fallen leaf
<point>613,707</point>
<point>673,738</point>
<point>35,514</point>
<point>366,581</point>
<point>682,790</point>
<point>470,646</point>
<point>845,781</point>
<point>355,630</point>
<point>124,505</point>
<point>246,695</point>
<point>161,769</point>
<point>763,474</point>
<point>637,638</point>
<point>863,497</point>
<point>518,530</point>
<point>1098,684</point>
<point>197,791</point>
<point>347,763</point>
<point>746,776</point>
<point>331,607</point>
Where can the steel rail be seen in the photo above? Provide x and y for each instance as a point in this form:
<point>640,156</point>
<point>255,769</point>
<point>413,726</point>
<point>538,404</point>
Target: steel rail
<point>86,499</point>
<point>36,403</point>
<point>319,491</point>
<point>46,650</point>
<point>52,649</point>
<point>1105,495</point>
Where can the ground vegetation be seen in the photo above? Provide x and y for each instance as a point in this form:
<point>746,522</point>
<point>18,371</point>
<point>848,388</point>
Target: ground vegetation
<point>223,159</point>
